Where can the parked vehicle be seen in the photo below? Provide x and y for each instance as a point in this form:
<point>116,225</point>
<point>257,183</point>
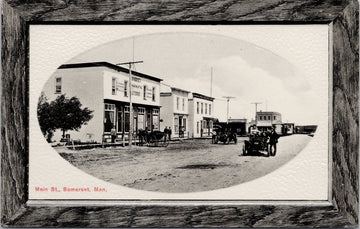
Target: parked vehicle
<point>224,135</point>
<point>257,143</point>
<point>155,138</point>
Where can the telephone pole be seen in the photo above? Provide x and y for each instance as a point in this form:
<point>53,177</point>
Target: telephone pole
<point>211,81</point>
<point>256,103</point>
<point>227,111</point>
<point>130,99</point>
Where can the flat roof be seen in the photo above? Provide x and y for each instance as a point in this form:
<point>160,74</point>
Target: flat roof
<point>178,89</point>
<point>200,96</point>
<point>109,65</point>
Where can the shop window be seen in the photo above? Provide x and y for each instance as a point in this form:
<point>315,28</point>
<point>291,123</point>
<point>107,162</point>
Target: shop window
<point>113,86</point>
<point>58,85</point>
<point>127,118</point>
<point>126,88</point>
<point>176,124</point>
<point>120,122</point>
<point>109,117</point>
<point>155,121</point>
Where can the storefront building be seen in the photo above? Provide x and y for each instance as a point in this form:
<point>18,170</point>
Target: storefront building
<point>104,88</point>
<point>200,115</point>
<point>265,120</point>
<point>174,111</point>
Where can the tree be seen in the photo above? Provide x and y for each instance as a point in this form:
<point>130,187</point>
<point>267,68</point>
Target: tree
<point>68,114</point>
<point>63,113</point>
<point>45,117</point>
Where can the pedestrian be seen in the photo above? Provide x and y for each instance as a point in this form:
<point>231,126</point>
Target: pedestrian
<point>273,141</point>
<point>165,132</point>
<point>169,132</point>
<point>113,134</point>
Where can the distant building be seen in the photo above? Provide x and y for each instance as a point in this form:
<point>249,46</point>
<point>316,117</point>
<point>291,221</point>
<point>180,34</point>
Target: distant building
<point>265,120</point>
<point>175,111</point>
<point>200,115</point>
<point>104,88</point>
<point>239,125</point>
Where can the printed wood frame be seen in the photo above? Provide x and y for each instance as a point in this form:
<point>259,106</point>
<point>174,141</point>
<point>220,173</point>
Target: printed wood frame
<point>342,209</point>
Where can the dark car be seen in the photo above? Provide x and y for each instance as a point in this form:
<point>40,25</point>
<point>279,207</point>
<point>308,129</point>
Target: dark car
<point>256,143</point>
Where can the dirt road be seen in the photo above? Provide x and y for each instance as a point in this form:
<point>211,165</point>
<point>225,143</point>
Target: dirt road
<point>188,166</point>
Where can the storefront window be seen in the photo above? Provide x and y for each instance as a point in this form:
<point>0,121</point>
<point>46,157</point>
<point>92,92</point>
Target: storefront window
<point>176,124</point>
<point>109,117</point>
<point>119,121</point>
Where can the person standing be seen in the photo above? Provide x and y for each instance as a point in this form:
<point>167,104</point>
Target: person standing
<point>273,141</point>
<point>169,132</point>
<point>166,132</point>
<point>113,134</point>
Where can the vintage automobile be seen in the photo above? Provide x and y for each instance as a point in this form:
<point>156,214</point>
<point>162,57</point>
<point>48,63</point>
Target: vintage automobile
<point>224,135</point>
<point>257,143</point>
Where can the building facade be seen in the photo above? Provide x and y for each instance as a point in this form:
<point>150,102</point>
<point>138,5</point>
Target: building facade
<point>175,111</point>
<point>265,120</point>
<point>105,89</point>
<point>200,115</point>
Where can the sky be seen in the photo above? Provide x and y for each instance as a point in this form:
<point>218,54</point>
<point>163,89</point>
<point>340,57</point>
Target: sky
<point>240,69</point>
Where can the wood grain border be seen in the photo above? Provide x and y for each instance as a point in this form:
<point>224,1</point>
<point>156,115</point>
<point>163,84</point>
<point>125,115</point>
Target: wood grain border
<point>343,208</point>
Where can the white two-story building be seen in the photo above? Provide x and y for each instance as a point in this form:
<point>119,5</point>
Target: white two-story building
<point>174,111</point>
<point>104,88</point>
<point>200,115</point>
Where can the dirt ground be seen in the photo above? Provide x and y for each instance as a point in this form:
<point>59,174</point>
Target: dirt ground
<point>187,166</point>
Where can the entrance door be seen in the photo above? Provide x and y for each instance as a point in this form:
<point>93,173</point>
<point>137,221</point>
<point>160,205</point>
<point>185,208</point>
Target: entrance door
<point>181,129</point>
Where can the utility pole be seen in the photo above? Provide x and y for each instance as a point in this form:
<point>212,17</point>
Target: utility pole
<point>227,111</point>
<point>130,99</point>
<point>256,103</point>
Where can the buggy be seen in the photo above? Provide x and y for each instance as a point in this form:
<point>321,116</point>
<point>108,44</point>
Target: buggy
<point>257,143</point>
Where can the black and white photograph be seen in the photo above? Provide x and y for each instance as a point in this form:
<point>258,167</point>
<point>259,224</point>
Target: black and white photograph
<point>186,112</point>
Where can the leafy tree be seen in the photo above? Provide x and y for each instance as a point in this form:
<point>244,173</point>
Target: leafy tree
<point>45,117</point>
<point>63,113</point>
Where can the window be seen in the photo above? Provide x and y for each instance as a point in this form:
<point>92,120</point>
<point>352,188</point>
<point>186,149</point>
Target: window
<point>126,88</point>
<point>260,117</point>
<point>144,92</point>
<point>58,85</point>
<point>264,117</point>
<point>153,94</point>
<point>274,117</point>
<point>209,109</point>
<point>197,107</point>
<point>269,117</point>
<point>177,103</point>
<point>184,124</point>
<point>141,110</point>
<point>113,86</point>
<point>202,108</point>
<point>109,117</point>
<point>183,104</point>
<point>155,119</point>
<point>205,108</point>
<point>156,112</point>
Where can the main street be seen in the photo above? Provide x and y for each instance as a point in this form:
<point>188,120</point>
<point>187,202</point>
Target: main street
<point>183,166</point>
